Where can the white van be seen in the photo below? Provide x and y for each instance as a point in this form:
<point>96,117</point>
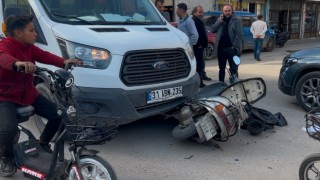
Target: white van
<point>136,64</point>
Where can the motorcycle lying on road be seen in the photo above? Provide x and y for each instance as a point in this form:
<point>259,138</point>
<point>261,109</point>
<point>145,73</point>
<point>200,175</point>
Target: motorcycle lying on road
<point>310,166</point>
<point>282,38</point>
<point>36,163</point>
<point>218,109</point>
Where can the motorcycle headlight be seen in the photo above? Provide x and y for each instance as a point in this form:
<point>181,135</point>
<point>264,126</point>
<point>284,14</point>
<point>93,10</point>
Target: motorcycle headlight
<point>190,51</point>
<point>65,78</point>
<point>90,56</point>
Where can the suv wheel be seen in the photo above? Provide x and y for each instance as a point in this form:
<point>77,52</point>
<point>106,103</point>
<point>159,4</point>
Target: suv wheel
<point>308,91</point>
<point>209,52</point>
<point>270,45</point>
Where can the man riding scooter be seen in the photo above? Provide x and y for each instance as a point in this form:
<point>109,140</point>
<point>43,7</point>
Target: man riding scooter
<point>17,89</point>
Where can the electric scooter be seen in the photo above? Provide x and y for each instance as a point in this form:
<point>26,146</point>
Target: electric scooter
<point>36,163</point>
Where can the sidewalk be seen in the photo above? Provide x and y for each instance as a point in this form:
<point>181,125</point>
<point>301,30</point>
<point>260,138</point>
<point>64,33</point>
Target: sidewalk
<point>276,55</point>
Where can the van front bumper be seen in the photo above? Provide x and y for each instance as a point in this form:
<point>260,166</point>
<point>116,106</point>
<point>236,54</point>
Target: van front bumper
<point>129,106</point>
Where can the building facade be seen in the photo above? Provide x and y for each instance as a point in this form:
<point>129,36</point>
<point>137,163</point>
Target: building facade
<point>300,17</point>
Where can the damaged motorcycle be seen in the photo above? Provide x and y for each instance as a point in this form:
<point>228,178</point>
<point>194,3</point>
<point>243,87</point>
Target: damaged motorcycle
<point>218,110</point>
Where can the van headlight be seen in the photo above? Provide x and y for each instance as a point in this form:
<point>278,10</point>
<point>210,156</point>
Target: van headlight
<point>190,50</point>
<point>92,57</point>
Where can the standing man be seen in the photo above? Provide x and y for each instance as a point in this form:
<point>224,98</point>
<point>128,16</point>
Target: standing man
<point>229,39</point>
<point>160,6</point>
<point>186,24</point>
<point>202,43</point>
<point>258,30</point>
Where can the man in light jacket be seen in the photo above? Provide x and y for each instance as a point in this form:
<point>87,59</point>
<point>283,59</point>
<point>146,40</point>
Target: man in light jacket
<point>258,30</point>
<point>186,24</point>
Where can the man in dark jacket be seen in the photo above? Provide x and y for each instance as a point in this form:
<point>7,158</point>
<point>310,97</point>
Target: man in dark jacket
<point>17,89</point>
<point>229,39</point>
<point>202,43</point>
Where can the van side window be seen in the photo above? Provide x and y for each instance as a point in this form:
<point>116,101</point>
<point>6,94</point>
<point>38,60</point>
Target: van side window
<point>246,21</point>
<point>25,9</point>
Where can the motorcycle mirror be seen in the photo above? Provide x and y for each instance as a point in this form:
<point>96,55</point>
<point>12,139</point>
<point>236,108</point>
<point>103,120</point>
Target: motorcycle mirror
<point>236,60</point>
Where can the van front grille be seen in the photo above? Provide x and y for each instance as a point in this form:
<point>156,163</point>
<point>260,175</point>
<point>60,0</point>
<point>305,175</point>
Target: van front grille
<point>154,66</point>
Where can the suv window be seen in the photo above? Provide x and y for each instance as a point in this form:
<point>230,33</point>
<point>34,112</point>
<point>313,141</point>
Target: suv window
<point>26,9</point>
<point>246,21</point>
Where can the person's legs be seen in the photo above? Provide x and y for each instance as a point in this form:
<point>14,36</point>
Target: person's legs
<point>47,109</point>
<point>198,53</point>
<point>259,47</point>
<point>222,61</point>
<point>8,131</point>
<point>255,45</point>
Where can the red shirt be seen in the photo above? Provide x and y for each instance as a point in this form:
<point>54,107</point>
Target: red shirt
<point>15,86</point>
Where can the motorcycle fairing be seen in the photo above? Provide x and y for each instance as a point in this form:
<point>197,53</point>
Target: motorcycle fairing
<point>250,90</point>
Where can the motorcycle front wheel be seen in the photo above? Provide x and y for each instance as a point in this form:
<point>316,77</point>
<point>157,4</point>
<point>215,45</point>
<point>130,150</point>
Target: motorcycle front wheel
<point>310,167</point>
<point>93,167</point>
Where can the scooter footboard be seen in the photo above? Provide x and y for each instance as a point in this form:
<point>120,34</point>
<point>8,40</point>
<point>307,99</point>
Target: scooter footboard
<point>32,160</point>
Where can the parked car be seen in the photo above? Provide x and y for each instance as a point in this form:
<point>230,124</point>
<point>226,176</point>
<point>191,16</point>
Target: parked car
<point>210,52</point>
<point>210,18</point>
<point>300,77</point>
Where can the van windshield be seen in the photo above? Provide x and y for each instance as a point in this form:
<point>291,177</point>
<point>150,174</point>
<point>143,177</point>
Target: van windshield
<point>97,12</point>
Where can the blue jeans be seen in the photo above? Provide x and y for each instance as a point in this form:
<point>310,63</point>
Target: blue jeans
<point>257,47</point>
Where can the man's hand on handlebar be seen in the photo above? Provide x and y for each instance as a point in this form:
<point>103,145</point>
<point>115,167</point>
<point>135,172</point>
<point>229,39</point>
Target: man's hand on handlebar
<point>26,67</point>
<point>69,62</point>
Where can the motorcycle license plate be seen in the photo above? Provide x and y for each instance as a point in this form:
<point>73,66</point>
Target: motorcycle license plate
<point>207,126</point>
<point>164,94</point>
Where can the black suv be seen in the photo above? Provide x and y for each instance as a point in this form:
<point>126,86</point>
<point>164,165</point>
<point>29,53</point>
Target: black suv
<point>300,76</point>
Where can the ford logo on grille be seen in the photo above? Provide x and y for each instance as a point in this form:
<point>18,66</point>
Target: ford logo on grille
<point>160,65</point>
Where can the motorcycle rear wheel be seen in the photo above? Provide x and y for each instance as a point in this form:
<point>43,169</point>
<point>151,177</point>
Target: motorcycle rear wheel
<point>310,167</point>
<point>93,167</point>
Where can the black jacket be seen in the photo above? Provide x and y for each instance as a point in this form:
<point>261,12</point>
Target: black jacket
<point>203,34</point>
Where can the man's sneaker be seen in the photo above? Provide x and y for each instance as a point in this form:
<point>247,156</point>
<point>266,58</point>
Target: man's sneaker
<point>7,167</point>
<point>46,147</point>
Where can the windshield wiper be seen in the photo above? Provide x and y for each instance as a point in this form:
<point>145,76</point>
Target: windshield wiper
<point>72,17</point>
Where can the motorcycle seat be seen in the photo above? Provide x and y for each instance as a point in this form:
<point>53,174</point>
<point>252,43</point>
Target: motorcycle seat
<point>211,90</point>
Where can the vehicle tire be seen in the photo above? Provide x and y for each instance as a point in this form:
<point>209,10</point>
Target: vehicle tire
<point>40,121</point>
<point>308,91</point>
<point>270,45</point>
<point>209,52</point>
<point>309,167</point>
<point>180,132</point>
<point>94,167</point>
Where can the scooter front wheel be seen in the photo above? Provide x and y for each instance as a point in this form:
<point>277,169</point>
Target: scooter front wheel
<point>93,167</point>
<point>309,168</point>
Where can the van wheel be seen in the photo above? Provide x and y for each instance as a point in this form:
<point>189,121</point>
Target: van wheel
<point>209,52</point>
<point>270,45</point>
<point>40,121</point>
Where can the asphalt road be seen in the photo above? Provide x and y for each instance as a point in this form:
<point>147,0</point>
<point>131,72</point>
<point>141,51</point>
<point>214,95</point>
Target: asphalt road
<point>146,150</point>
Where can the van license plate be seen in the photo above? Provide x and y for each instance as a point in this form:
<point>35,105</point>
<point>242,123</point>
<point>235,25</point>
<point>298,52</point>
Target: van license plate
<point>164,94</point>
